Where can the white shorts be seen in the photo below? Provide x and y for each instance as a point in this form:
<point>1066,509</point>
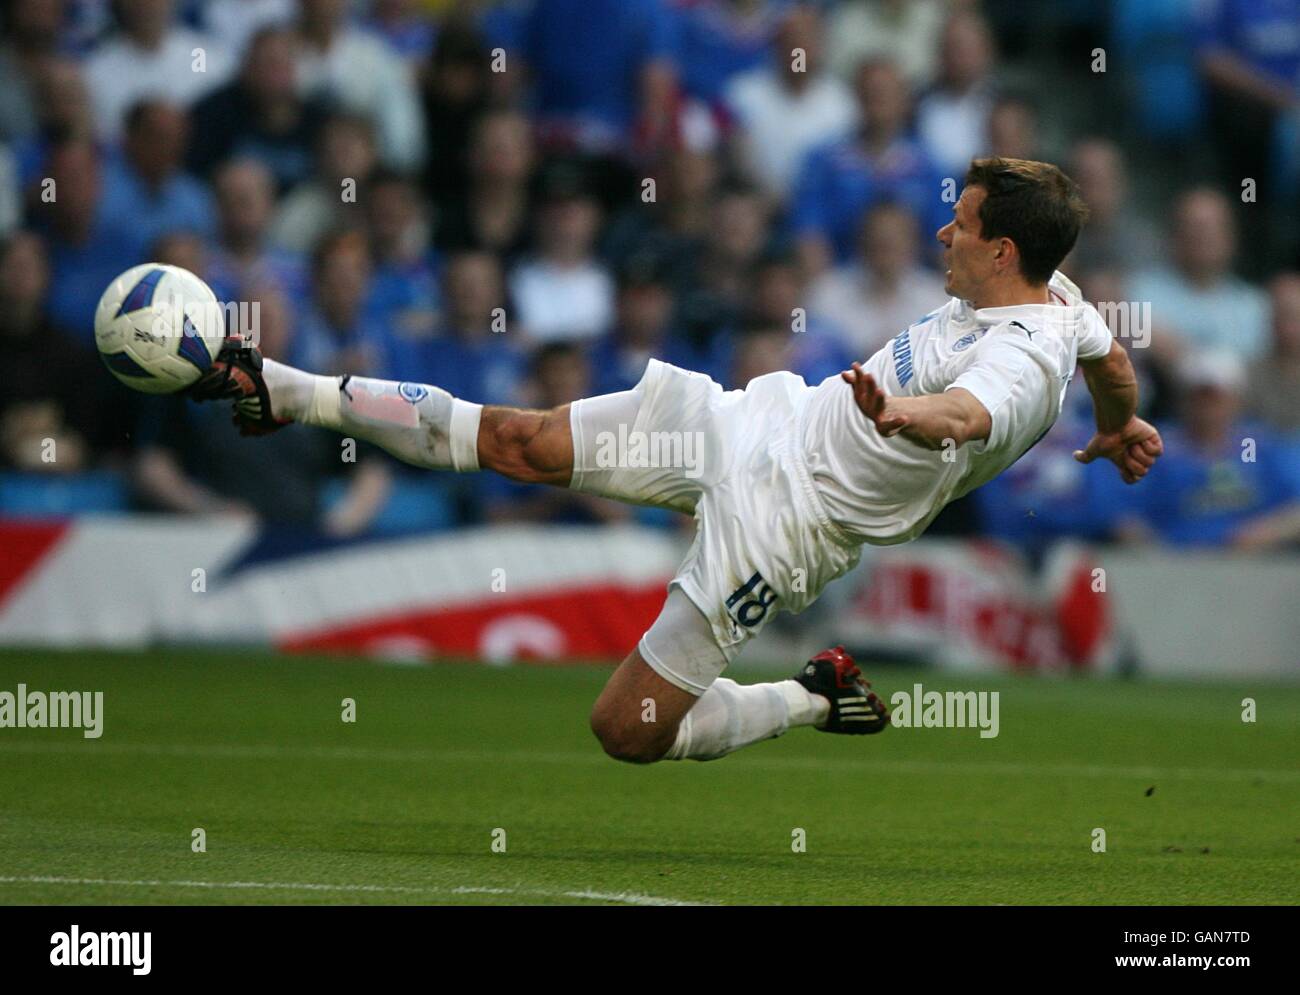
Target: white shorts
<point>763,541</point>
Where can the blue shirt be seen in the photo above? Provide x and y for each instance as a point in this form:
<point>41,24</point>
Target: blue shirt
<point>714,44</point>
<point>587,57</point>
<point>80,273</point>
<point>364,348</point>
<point>407,297</point>
<point>617,367</point>
<point>1047,494</point>
<point>232,280</point>
<point>182,203</point>
<point>1263,33</point>
<point>485,370</point>
<point>816,353</point>
<point>838,183</point>
<point>1230,315</point>
<point>1193,498</point>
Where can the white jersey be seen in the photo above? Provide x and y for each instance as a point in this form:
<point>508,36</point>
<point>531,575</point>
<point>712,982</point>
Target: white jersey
<point>1016,360</point>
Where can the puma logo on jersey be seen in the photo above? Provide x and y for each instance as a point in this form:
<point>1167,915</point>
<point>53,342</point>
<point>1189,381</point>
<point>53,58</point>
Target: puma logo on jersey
<point>1027,331</point>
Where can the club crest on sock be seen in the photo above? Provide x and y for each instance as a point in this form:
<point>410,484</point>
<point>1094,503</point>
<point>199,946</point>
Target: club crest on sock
<point>413,392</point>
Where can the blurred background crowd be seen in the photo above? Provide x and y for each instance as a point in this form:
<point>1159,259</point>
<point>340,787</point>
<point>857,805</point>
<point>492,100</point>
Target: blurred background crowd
<point>523,201</point>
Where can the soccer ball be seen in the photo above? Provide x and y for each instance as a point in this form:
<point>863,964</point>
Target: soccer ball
<point>158,328</point>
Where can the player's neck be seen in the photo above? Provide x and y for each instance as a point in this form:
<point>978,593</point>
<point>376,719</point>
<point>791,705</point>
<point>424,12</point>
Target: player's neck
<point>1012,294</point>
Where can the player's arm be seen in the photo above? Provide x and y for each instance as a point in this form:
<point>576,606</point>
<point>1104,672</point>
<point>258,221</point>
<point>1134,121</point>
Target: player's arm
<point>954,417</point>
<point>1123,438</point>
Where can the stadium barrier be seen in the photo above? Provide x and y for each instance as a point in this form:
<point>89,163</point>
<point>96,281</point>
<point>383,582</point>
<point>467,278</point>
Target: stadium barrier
<point>551,593</point>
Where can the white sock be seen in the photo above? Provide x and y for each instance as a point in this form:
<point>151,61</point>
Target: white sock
<point>730,715</point>
<point>417,423</point>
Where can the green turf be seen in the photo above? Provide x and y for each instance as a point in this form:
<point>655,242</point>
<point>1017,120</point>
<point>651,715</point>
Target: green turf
<point>401,806</point>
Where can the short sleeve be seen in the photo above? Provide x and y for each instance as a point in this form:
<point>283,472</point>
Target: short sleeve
<point>1094,339</point>
<point>1002,378</point>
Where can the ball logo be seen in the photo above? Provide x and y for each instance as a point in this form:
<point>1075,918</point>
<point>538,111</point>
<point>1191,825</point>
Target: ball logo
<point>413,392</point>
<point>965,342</point>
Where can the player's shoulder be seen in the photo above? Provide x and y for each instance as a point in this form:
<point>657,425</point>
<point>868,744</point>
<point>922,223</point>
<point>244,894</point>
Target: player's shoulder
<point>940,317</point>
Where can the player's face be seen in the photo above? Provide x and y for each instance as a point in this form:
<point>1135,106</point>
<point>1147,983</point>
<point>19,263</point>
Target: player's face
<point>968,258</point>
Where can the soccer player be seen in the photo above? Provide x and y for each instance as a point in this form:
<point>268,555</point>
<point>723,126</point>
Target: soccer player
<point>786,481</point>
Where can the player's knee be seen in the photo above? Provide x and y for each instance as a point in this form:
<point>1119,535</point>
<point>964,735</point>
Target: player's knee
<point>634,743</point>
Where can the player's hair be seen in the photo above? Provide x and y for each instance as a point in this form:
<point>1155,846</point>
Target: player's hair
<point>1035,205</point>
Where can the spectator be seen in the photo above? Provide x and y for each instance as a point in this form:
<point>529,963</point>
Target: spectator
<point>64,112</point>
<point>145,192</point>
<point>721,39</point>
<point>779,300</point>
<point>456,90</point>
<point>185,464</point>
<point>758,350</point>
<point>1013,129</point>
<point>1116,235</point>
<point>644,329</point>
<point>30,41</point>
<point>56,389</point>
<point>150,55</point>
<point>1048,495</point>
<point>407,31</point>
<point>563,291</point>
<point>1250,57</point>
<point>10,197</point>
<point>1223,482</point>
<point>404,295</point>
<point>788,107</point>
<point>260,114</point>
<point>676,222</point>
<point>494,214</point>
<point>1198,302</point>
<point>1275,377</point>
<point>885,289</point>
<point>86,251</point>
<point>474,354</point>
<point>560,374</point>
<point>906,31</point>
<point>361,73</point>
<point>1129,322</point>
<point>233,23</point>
<point>622,91</point>
<point>338,333</point>
<point>244,265</point>
<point>345,159</point>
<point>714,291</point>
<point>842,180</point>
<point>952,120</point>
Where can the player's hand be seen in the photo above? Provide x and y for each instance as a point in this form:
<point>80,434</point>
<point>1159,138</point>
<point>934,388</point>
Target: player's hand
<point>872,401</point>
<point>1133,449</point>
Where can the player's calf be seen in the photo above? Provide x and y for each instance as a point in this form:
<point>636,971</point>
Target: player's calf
<point>637,715</point>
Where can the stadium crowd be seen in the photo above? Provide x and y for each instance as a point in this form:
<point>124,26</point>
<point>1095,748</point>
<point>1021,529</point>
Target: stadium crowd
<point>523,201</point>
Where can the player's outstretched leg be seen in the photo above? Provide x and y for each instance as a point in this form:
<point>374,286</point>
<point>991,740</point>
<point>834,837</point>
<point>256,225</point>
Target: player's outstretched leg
<point>667,702</point>
<point>418,423</point>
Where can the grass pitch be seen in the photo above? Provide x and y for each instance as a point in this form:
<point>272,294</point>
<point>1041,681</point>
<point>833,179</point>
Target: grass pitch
<point>403,805</point>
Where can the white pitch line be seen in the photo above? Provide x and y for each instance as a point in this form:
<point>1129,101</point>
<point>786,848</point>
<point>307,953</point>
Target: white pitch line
<point>990,768</point>
<point>621,897</point>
